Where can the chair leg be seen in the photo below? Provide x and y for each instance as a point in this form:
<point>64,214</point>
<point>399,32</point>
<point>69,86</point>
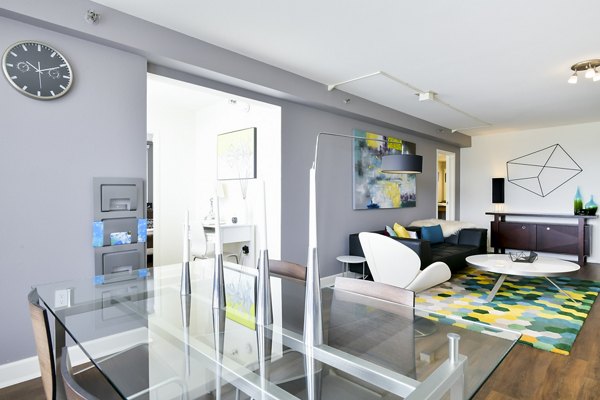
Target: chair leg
<point>237,260</point>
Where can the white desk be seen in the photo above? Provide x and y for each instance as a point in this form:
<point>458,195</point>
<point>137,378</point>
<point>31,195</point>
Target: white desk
<point>237,235</point>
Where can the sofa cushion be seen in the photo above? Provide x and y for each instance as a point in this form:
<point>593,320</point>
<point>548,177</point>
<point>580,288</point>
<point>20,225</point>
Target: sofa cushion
<point>433,234</point>
<point>400,231</point>
<point>390,232</point>
<point>448,227</point>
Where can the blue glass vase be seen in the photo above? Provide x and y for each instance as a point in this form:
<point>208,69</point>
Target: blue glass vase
<point>578,203</point>
<point>591,207</point>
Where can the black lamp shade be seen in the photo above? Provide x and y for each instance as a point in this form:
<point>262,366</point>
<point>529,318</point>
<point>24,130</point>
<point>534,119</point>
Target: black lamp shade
<point>402,164</point>
<point>497,190</point>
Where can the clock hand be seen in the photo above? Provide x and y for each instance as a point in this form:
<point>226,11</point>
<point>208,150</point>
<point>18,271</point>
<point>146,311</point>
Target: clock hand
<point>33,66</point>
<point>40,74</point>
<point>48,69</point>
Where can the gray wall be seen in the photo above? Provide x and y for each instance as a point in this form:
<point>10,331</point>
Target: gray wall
<point>335,216</point>
<point>49,152</point>
<point>300,125</point>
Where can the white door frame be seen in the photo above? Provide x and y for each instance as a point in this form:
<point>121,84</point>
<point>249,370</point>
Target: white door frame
<point>450,183</point>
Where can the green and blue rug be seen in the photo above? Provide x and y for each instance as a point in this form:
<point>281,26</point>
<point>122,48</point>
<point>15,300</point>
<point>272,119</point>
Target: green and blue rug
<point>546,318</point>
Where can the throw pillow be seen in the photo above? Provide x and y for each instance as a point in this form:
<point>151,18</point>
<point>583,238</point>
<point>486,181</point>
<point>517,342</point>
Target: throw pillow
<point>401,231</point>
<point>433,234</point>
<point>413,234</point>
<point>390,231</point>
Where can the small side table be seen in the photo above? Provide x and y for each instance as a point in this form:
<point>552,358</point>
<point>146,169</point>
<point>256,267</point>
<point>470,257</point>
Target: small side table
<point>347,260</point>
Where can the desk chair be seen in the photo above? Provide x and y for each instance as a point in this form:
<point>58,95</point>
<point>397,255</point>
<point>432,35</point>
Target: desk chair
<point>201,247</point>
<point>394,263</point>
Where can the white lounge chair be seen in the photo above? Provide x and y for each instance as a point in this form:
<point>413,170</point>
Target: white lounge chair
<point>393,263</point>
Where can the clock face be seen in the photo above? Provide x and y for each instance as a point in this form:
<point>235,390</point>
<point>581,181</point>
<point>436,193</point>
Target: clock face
<point>37,70</point>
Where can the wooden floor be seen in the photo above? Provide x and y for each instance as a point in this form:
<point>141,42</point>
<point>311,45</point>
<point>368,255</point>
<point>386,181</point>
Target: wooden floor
<point>528,373</point>
<point>525,374</point>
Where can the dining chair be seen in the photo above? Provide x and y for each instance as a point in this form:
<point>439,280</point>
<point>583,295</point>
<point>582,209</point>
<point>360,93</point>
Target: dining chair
<point>201,247</point>
<point>358,291</point>
<point>394,263</point>
<point>82,385</point>
<point>43,340</point>
<point>43,343</point>
<point>287,269</point>
<point>376,290</point>
<point>86,380</point>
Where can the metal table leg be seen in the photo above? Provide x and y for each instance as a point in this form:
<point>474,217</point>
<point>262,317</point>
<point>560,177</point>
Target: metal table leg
<point>562,291</point>
<point>496,287</point>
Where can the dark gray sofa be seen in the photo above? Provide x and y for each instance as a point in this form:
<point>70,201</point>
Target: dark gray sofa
<point>452,251</point>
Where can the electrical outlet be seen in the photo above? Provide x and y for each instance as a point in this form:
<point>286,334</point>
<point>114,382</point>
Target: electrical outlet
<point>62,298</point>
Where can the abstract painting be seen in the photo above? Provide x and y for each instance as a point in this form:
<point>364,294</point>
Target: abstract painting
<point>374,189</point>
<point>236,154</point>
<point>240,297</point>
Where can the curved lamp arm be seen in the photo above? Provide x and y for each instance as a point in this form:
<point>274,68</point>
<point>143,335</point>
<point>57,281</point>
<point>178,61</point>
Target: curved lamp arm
<point>313,321</point>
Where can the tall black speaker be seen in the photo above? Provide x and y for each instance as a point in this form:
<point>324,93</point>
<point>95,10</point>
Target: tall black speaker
<point>497,190</point>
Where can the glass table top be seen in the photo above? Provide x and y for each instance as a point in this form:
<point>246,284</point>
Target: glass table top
<point>151,342</point>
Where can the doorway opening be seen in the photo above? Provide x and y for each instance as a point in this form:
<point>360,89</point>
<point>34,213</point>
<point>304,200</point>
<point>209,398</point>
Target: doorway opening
<point>445,187</point>
<point>183,122</point>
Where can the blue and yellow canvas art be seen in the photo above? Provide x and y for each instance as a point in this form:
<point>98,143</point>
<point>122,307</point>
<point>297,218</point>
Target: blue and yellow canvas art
<point>374,189</point>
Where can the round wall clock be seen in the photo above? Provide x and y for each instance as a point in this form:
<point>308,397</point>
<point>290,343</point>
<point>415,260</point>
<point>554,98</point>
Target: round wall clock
<point>37,70</point>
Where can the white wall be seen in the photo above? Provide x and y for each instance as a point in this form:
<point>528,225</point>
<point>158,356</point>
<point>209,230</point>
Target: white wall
<point>185,170</point>
<point>487,158</point>
<point>174,137</point>
<point>223,117</point>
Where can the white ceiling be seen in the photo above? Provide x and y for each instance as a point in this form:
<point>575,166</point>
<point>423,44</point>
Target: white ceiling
<point>505,63</point>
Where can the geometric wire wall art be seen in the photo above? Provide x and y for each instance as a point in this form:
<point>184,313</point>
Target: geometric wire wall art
<point>543,171</point>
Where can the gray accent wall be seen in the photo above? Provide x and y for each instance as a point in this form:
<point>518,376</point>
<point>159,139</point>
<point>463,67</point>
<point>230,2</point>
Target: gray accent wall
<point>49,152</point>
<point>300,125</point>
<point>336,218</point>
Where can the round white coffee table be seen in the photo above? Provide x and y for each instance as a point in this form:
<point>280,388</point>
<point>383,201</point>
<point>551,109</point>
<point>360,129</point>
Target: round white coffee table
<point>503,265</point>
<point>346,260</point>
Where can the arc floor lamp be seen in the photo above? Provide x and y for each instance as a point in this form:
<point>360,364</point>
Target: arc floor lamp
<point>391,164</point>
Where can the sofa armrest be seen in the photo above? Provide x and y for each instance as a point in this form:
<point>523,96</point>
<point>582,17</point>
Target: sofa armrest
<point>421,247</point>
<point>474,237</point>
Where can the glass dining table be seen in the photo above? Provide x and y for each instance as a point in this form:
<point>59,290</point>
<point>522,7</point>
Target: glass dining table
<point>372,349</point>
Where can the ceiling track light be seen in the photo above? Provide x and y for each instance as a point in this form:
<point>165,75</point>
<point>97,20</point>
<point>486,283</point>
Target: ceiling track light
<point>590,68</point>
<point>573,78</point>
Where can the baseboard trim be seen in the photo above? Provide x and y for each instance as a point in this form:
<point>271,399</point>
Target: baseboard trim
<point>19,371</point>
<point>29,368</point>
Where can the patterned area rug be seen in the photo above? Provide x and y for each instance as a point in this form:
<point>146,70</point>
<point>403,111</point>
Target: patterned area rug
<point>546,318</point>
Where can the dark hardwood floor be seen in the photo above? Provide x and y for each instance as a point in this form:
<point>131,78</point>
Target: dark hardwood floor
<point>525,374</point>
<point>528,373</point>
<point>30,390</point>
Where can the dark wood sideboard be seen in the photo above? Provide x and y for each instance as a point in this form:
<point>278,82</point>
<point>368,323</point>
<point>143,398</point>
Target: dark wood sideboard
<point>565,238</point>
